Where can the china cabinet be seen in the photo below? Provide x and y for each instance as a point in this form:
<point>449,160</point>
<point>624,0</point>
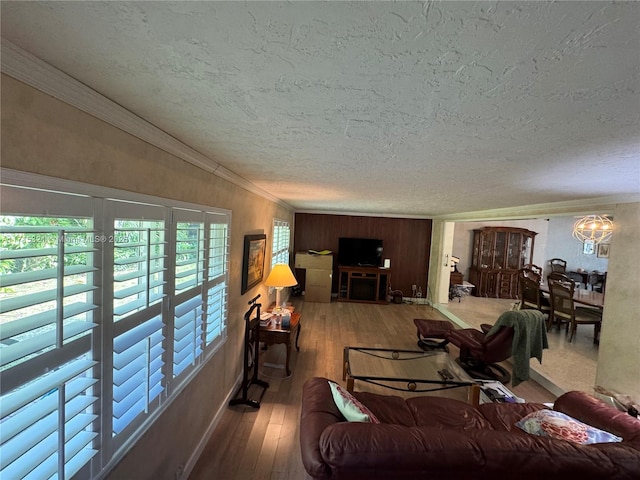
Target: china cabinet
<point>498,253</point>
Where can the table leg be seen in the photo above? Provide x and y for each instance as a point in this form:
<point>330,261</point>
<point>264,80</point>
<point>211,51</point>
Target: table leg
<point>298,336</point>
<point>474,395</point>
<point>350,385</point>
<point>344,363</point>
<point>288,342</point>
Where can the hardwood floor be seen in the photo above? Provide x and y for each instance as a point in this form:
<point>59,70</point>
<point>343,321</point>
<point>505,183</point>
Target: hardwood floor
<point>264,443</point>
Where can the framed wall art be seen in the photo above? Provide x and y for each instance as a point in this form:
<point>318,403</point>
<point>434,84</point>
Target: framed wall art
<point>603,250</point>
<point>589,247</point>
<point>253,261</point>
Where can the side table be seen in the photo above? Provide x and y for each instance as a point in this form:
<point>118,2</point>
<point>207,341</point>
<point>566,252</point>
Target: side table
<point>273,334</point>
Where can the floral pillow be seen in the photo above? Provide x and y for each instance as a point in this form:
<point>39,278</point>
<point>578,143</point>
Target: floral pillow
<point>549,423</point>
<point>350,407</point>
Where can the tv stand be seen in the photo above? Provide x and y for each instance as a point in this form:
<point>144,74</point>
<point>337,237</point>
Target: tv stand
<point>363,284</point>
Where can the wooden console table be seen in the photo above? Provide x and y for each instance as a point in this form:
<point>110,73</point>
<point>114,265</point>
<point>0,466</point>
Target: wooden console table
<point>363,284</point>
<point>273,334</point>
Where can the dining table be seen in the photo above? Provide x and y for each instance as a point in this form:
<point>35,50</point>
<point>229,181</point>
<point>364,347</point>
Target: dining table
<point>583,296</point>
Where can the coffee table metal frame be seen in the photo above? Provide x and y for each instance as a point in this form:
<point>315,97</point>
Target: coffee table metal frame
<point>411,383</point>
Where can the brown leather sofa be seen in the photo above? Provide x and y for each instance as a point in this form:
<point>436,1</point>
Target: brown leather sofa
<point>433,437</point>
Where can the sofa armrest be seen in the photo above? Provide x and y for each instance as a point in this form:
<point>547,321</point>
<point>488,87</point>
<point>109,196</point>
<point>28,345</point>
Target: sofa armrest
<point>469,337</point>
<point>594,412</point>
<point>318,412</point>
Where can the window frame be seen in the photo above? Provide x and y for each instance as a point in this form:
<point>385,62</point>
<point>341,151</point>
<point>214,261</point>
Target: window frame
<point>280,249</point>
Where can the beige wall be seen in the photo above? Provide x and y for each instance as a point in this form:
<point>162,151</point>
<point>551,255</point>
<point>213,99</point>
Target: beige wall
<point>43,135</point>
<point>619,353</point>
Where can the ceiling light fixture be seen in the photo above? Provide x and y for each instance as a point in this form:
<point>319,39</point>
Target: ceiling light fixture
<point>593,228</point>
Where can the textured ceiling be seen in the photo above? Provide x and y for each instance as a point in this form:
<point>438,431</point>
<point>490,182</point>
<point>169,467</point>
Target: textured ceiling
<point>408,108</point>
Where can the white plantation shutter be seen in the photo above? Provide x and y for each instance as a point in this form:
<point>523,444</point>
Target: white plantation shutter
<point>137,371</point>
<point>187,334</point>
<point>138,248</point>
<point>216,313</point>
<point>281,241</point>
<point>201,264</point>
<point>44,304</point>
<point>31,436</point>
<point>189,272</point>
<point>47,317</point>
<point>139,251</point>
<point>190,252</point>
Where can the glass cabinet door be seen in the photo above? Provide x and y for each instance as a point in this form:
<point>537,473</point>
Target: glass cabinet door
<point>475,256</point>
<point>499,250</point>
<point>487,250</point>
<point>525,258</point>
<point>514,257</point>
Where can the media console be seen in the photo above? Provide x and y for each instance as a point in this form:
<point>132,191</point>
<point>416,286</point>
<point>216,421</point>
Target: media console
<point>363,284</point>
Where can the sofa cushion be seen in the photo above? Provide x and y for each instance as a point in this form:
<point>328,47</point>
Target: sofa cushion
<point>503,416</point>
<point>349,406</point>
<point>389,409</point>
<point>446,413</point>
<point>548,423</point>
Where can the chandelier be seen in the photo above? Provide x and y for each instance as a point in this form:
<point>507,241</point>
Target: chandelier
<point>593,228</point>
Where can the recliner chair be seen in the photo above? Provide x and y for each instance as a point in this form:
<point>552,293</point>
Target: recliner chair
<point>480,353</point>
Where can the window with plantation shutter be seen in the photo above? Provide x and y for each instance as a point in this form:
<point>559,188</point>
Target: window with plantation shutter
<point>136,247</point>
<point>108,307</point>
<point>47,318</point>
<point>281,239</point>
<point>216,313</point>
<point>201,242</point>
<point>189,276</point>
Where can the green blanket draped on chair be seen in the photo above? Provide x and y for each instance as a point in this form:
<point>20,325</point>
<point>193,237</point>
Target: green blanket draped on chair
<point>529,339</point>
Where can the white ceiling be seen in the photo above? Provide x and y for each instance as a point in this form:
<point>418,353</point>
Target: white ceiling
<point>409,108</point>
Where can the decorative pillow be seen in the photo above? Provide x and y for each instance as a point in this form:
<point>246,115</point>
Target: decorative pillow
<point>350,407</point>
<point>549,423</point>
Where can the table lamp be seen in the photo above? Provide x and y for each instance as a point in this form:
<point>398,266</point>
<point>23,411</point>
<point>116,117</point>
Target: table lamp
<point>454,263</point>
<point>280,276</point>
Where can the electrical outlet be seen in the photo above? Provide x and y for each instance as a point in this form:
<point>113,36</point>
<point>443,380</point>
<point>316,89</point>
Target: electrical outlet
<point>413,288</point>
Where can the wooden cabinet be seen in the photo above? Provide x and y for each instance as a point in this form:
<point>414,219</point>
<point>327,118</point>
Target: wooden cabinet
<point>363,284</point>
<point>456,278</point>
<point>318,276</point>
<point>497,255</point>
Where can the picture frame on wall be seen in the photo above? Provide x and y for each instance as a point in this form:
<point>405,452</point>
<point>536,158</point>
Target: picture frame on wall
<point>253,261</point>
<point>603,250</point>
<point>589,247</point>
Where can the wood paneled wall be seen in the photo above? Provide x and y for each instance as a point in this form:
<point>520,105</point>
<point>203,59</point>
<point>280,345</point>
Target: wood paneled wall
<point>406,243</point>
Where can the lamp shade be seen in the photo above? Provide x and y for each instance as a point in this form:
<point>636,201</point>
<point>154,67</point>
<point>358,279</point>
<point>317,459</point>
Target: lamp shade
<point>281,276</point>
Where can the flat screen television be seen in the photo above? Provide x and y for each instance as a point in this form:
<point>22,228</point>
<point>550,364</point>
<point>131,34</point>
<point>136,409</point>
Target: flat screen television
<point>361,252</point>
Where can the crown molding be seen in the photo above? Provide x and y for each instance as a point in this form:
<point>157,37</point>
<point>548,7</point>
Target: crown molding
<point>600,205</point>
<point>29,69</point>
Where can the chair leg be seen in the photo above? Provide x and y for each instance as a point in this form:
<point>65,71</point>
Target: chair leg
<point>596,333</point>
<point>573,330</point>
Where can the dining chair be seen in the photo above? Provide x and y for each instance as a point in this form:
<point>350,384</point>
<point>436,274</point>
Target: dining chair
<point>597,281</point>
<point>531,297</point>
<point>558,277</point>
<point>536,269</point>
<point>558,265</point>
<point>563,309</point>
<point>531,273</point>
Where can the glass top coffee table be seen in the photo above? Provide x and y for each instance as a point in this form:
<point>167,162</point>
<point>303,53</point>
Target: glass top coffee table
<point>404,370</point>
